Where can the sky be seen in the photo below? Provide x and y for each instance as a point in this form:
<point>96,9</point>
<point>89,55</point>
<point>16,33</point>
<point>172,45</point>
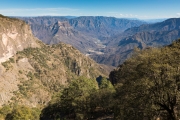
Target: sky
<point>141,9</point>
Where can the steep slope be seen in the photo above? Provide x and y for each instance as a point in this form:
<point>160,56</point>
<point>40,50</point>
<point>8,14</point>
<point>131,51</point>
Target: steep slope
<point>32,76</point>
<point>15,35</point>
<point>120,46</point>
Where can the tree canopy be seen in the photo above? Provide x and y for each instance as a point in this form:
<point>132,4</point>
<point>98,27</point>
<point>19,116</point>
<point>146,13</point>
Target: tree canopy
<point>148,84</point>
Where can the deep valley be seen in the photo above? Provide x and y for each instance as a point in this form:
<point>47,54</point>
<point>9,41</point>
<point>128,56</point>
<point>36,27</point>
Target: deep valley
<point>89,67</point>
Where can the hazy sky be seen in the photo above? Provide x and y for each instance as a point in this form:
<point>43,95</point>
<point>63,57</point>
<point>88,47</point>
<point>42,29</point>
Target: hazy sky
<point>142,9</point>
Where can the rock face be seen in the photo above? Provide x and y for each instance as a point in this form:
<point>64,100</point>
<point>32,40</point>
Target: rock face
<point>33,72</point>
<point>15,35</point>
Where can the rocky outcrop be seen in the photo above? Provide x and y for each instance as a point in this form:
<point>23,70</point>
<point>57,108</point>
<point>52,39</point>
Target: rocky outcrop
<point>15,35</point>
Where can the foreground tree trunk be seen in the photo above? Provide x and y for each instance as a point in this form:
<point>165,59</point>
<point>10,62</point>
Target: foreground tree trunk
<point>175,114</point>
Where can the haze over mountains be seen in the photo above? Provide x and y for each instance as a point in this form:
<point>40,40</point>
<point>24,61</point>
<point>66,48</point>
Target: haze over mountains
<point>88,33</point>
<point>146,35</point>
<point>107,40</point>
<point>83,32</point>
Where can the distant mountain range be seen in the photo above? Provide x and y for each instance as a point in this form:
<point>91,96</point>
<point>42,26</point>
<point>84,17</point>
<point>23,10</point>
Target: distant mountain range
<point>96,26</point>
<point>88,33</point>
<point>107,40</point>
<point>120,46</point>
<point>155,20</point>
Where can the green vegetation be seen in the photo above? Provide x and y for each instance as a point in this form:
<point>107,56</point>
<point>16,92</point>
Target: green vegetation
<point>40,55</point>
<point>19,113</point>
<point>7,65</point>
<point>23,113</point>
<point>11,60</point>
<point>82,99</point>
<point>54,65</point>
<point>4,111</point>
<point>146,87</point>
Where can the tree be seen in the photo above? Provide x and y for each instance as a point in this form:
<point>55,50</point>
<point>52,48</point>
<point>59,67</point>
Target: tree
<point>4,110</point>
<point>20,113</point>
<point>23,113</point>
<point>149,85</point>
<point>105,84</point>
<point>74,102</point>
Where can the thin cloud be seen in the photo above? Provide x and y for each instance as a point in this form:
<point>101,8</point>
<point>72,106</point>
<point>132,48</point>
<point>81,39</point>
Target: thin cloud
<point>37,11</point>
<point>178,14</point>
<point>112,12</point>
<point>121,15</point>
